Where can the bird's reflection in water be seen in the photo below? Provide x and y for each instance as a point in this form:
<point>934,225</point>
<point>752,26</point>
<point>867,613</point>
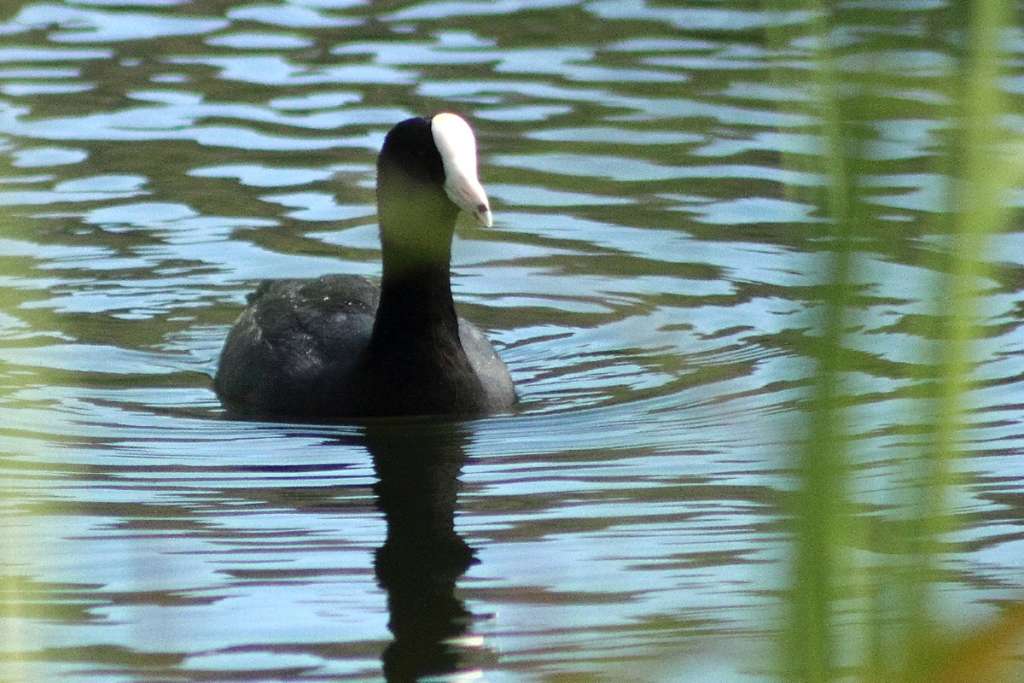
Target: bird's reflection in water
<point>418,466</point>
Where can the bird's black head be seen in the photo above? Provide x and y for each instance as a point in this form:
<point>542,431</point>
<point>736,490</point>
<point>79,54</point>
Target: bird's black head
<point>409,148</point>
<point>417,218</point>
<point>426,174</point>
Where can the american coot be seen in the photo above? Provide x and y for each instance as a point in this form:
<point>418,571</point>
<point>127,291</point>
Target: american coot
<point>339,346</point>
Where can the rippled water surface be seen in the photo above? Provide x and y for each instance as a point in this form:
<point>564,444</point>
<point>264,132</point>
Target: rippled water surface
<point>649,282</point>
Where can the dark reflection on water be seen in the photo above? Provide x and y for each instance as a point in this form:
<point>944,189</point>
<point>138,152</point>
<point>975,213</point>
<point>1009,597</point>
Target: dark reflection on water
<point>650,280</point>
<point>422,556</point>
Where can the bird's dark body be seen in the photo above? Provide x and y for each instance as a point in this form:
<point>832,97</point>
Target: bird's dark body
<point>304,348</point>
<point>340,346</point>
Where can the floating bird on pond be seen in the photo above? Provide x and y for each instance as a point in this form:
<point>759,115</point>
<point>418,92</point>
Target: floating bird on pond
<point>339,345</point>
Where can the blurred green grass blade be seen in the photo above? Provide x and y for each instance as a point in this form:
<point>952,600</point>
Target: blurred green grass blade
<point>13,552</point>
<point>820,515</point>
<point>897,629</point>
<point>984,176</point>
<point>983,190</point>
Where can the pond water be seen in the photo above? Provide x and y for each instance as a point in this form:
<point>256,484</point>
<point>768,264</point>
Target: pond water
<point>649,281</point>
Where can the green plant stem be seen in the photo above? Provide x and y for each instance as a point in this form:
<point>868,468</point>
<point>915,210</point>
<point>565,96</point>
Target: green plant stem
<point>821,515</point>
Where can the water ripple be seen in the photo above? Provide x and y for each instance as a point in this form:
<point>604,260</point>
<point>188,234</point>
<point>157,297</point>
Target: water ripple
<point>652,280</point>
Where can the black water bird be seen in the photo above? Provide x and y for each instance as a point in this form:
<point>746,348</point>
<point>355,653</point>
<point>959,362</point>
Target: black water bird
<point>340,346</point>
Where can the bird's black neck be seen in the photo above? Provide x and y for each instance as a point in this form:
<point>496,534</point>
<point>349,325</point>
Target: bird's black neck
<point>415,356</point>
<point>416,313</point>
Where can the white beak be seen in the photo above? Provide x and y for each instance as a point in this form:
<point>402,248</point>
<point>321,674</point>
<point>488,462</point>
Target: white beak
<point>454,140</point>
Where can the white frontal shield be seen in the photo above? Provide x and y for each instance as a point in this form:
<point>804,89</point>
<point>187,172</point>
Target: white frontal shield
<point>454,140</point>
